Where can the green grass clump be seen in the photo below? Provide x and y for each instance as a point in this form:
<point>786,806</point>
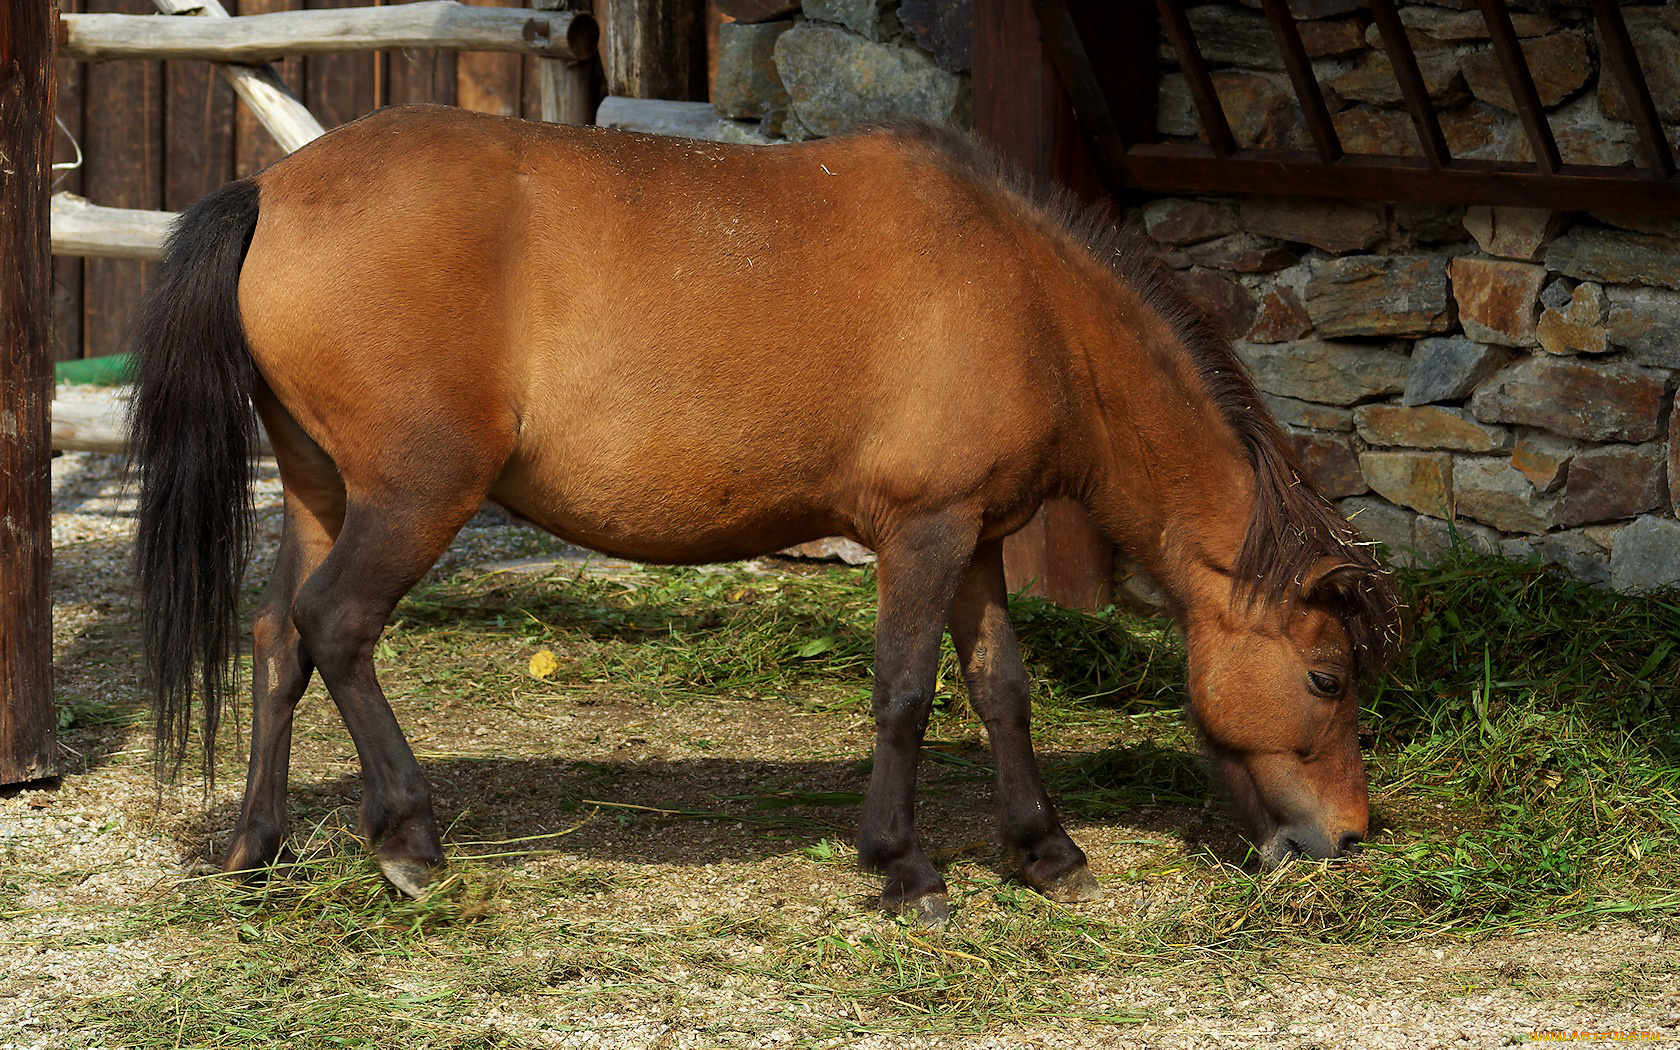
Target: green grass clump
<point>327,896</point>
<point>673,632</point>
<point>1491,633</point>
<point>669,633</point>
<point>1525,770</point>
<point>253,996</point>
<point>1546,708</point>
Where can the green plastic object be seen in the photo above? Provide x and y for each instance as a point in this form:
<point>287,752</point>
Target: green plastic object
<point>114,370</point>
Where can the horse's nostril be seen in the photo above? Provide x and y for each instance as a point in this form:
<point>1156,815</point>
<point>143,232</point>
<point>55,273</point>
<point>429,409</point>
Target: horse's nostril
<point>1349,843</point>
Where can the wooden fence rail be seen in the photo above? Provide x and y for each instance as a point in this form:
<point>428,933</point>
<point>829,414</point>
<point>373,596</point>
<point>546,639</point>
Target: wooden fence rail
<point>80,227</point>
<point>269,37</point>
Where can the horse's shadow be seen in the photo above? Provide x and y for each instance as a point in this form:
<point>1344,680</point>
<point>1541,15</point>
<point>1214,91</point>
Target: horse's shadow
<point>697,811</point>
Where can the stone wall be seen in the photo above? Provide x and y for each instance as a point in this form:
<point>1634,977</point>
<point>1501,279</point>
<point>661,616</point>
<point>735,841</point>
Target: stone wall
<point>791,71</point>
<point>1503,373</point>
<point>1507,370</point>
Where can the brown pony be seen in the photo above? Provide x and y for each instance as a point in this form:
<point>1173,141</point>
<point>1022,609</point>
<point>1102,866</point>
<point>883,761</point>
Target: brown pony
<point>682,352</point>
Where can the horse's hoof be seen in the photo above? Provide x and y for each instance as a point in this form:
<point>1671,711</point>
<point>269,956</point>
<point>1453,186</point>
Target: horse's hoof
<point>931,910</point>
<point>237,871</point>
<point>411,877</point>
<point>1071,888</point>
<point>246,864</point>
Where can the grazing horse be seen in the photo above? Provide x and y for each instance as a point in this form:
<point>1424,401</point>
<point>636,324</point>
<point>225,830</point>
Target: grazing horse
<point>682,352</point>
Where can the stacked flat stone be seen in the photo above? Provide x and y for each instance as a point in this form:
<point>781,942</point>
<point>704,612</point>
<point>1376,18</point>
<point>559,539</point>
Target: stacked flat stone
<point>1437,380</point>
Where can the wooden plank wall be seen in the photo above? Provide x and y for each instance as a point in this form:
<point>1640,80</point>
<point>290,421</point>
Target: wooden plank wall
<point>163,134</point>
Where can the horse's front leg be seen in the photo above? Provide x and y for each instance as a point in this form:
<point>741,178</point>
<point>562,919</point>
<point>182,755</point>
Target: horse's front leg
<point>917,572</point>
<point>1001,694</point>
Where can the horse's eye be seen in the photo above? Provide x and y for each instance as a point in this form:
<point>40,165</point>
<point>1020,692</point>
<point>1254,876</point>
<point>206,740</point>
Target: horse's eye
<point>1324,684</point>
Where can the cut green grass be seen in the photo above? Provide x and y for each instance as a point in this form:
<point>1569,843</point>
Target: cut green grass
<point>1540,711</point>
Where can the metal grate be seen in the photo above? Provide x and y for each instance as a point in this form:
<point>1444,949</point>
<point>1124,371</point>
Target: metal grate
<point>1135,158</point>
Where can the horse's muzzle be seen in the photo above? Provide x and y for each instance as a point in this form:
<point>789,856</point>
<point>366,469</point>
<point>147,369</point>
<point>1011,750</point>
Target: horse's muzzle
<point>1295,841</point>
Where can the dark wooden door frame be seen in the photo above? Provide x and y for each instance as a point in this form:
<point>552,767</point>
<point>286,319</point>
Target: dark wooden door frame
<point>1021,109</point>
<point>28,91</point>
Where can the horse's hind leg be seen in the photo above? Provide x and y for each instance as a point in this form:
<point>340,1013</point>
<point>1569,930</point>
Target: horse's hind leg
<point>388,541</point>
<point>1002,695</point>
<point>280,670</point>
<point>280,667</point>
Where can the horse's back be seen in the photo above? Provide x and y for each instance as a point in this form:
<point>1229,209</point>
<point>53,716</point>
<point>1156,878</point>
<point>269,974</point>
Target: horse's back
<point>661,332</point>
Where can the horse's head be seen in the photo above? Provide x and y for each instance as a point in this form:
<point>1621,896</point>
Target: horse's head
<point>1273,692</point>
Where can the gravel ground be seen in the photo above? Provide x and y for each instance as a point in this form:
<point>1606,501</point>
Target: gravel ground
<point>106,834</point>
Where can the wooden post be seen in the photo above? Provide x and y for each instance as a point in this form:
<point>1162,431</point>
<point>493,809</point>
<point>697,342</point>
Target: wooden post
<point>567,87</point>
<point>655,48</point>
<point>1021,109</point>
<point>28,95</point>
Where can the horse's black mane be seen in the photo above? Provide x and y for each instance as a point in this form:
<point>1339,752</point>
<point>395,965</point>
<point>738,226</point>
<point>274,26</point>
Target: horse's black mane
<point>1292,525</point>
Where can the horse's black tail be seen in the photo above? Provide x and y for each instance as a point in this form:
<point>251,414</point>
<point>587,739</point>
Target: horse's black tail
<point>191,435</point>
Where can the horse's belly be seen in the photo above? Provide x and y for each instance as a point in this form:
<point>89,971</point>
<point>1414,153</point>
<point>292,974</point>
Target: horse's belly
<point>673,510</point>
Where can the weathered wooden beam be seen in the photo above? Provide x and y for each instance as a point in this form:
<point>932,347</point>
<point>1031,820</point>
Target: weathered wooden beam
<point>82,228</point>
<point>1616,49</point>
<point>28,95</point>
<point>1212,114</point>
<point>1307,90</point>
<point>655,116</point>
<point>95,419</point>
<point>89,422</point>
<point>261,89</point>
<point>262,38</point>
<point>259,86</point>
<point>1404,62</point>
<point>1508,49</point>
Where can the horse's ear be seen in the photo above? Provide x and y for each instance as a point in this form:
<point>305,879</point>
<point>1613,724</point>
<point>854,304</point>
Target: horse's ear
<point>1329,577</point>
